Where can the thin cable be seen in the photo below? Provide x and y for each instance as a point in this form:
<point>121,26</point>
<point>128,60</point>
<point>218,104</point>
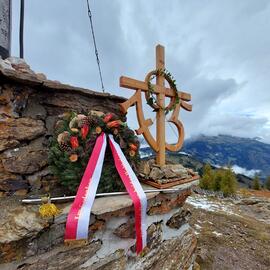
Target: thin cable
<point>95,45</point>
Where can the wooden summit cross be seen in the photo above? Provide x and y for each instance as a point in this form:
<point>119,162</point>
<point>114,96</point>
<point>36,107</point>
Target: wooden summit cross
<point>159,145</point>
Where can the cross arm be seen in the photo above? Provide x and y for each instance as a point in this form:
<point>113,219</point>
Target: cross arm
<point>136,84</point>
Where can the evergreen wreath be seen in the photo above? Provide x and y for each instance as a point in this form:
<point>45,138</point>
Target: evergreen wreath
<point>149,95</point>
<point>73,142</point>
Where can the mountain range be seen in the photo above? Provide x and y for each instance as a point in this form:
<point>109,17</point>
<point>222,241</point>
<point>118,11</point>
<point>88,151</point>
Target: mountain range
<point>246,156</point>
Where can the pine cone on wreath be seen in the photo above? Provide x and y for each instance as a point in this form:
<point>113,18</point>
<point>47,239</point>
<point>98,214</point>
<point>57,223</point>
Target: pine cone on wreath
<point>64,147</point>
<point>86,121</point>
<point>83,121</point>
<point>94,120</point>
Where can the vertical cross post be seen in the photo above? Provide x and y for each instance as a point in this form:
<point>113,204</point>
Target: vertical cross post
<point>159,144</point>
<point>160,128</point>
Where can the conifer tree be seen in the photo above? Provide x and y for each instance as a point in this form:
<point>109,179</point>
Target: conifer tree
<point>228,183</point>
<point>218,175</point>
<point>206,182</point>
<point>267,183</point>
<point>256,182</point>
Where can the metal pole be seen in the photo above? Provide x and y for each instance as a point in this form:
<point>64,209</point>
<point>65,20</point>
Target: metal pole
<point>21,28</point>
<point>68,198</point>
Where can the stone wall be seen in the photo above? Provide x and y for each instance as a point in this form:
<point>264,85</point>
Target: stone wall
<point>28,242</point>
<point>29,106</point>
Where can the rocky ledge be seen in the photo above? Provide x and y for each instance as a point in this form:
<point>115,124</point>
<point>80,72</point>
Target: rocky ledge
<point>29,107</point>
<point>29,242</point>
<point>234,232</point>
<point>18,71</point>
<point>166,174</point>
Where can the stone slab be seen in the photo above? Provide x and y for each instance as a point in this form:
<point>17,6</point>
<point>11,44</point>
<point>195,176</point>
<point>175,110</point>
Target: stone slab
<point>30,78</point>
<point>176,182</point>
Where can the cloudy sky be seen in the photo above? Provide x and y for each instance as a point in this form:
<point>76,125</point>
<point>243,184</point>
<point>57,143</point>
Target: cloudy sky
<point>219,51</point>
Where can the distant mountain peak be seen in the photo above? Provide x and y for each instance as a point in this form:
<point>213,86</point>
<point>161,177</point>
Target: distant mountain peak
<point>247,153</point>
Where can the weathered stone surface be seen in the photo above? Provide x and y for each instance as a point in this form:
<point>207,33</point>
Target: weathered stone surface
<point>156,173</point>
<point>17,223</point>
<point>21,192</point>
<point>50,183</point>
<point>144,167</point>
<point>97,113</point>
<point>149,170</point>
<point>175,253</point>
<point>7,111</point>
<point>50,124</point>
<point>179,170</point>
<point>29,242</point>
<point>6,95</point>
<point>35,179</point>
<point>116,260</point>
<point>179,219</point>
<point>14,184</point>
<point>118,205</point>
<point>119,264</point>
<point>41,76</point>
<point>4,175</point>
<point>34,110</point>
<point>23,234</point>
<point>20,129</point>
<point>165,205</point>
<point>6,102</point>
<point>14,99</point>
<point>17,63</point>
<point>6,143</point>
<point>154,235</point>
<point>97,225</point>
<point>10,182</point>
<point>169,173</point>
<point>27,159</point>
<point>21,98</point>
<point>126,230</point>
<point>53,235</point>
<point>47,239</point>
<point>66,101</point>
<point>17,71</point>
<point>5,65</point>
<point>67,258</point>
<point>196,266</point>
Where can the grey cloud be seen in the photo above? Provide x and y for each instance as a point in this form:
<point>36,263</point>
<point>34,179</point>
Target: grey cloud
<point>217,50</point>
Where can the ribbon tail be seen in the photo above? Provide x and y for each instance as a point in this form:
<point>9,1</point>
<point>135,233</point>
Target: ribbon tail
<point>79,215</point>
<point>135,191</point>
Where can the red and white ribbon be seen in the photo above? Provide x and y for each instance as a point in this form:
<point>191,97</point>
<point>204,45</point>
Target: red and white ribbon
<point>135,191</point>
<point>79,215</point>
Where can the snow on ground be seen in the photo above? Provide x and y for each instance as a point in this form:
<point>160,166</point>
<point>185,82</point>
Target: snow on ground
<point>217,233</point>
<point>204,202</point>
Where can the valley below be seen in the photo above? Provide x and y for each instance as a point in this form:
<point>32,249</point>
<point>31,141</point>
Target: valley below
<point>233,233</point>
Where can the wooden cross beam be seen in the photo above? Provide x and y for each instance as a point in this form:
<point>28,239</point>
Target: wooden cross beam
<point>161,92</point>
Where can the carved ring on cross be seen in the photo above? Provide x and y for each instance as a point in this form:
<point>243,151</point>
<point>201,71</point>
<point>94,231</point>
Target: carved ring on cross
<point>155,106</point>
<point>177,100</point>
<point>144,124</point>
